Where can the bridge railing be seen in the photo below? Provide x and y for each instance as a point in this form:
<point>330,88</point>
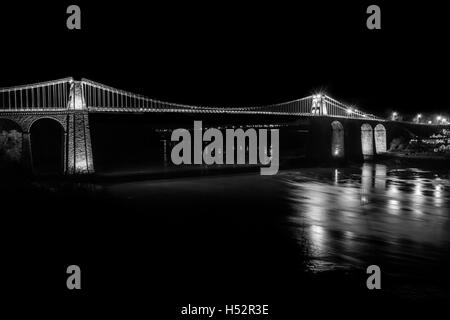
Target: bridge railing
<point>296,107</point>
<point>50,95</point>
<point>336,108</point>
<point>55,95</point>
<point>99,97</point>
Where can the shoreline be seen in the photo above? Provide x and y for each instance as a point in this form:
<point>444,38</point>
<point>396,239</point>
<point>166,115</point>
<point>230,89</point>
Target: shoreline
<point>415,156</point>
<point>127,174</point>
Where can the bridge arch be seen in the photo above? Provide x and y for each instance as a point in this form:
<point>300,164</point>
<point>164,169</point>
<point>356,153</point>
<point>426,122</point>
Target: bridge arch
<point>380,138</point>
<point>11,142</point>
<point>337,140</point>
<point>367,141</point>
<point>29,122</point>
<point>47,145</point>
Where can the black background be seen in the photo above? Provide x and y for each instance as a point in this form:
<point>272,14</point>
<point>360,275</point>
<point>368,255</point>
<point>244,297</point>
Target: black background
<point>212,53</point>
<point>228,53</point>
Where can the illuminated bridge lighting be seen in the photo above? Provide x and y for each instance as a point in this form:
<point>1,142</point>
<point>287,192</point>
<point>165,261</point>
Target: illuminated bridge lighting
<point>96,97</point>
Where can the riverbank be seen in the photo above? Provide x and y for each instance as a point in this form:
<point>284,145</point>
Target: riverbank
<point>159,172</point>
<point>424,158</point>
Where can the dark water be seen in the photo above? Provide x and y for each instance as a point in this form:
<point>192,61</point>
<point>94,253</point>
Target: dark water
<point>299,239</point>
<point>395,218</point>
<point>341,219</point>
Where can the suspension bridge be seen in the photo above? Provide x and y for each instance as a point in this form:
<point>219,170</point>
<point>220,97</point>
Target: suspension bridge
<point>61,95</point>
<point>70,102</point>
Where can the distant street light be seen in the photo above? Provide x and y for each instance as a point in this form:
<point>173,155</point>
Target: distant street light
<point>430,122</point>
<point>418,118</point>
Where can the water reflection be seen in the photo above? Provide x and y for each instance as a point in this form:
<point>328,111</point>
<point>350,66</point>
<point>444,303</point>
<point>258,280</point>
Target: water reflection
<point>370,213</point>
<point>341,218</point>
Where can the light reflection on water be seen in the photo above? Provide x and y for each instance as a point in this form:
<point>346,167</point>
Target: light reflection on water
<point>340,218</point>
<point>355,217</point>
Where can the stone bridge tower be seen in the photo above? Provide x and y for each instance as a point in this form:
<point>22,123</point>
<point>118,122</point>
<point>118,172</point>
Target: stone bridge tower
<point>73,119</point>
<point>79,158</point>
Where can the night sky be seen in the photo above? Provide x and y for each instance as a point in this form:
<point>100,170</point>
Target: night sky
<point>224,53</point>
